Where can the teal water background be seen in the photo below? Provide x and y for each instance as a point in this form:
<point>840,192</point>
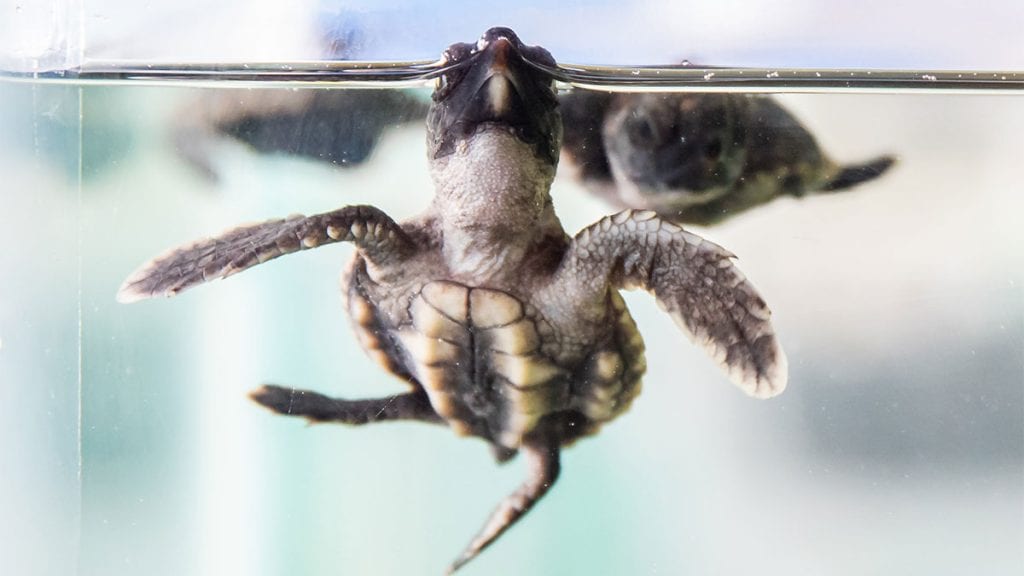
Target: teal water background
<point>130,446</point>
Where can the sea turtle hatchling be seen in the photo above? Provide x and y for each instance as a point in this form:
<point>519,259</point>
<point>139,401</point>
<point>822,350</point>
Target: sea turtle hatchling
<point>503,327</point>
<point>698,158</point>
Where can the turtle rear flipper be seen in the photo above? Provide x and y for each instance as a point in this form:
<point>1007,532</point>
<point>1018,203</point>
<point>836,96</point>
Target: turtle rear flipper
<point>693,280</point>
<point>543,468</point>
<point>378,238</point>
<point>854,174</point>
<point>316,407</point>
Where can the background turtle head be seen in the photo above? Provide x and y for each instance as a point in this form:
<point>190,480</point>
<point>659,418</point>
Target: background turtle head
<point>677,149</point>
<point>498,83</point>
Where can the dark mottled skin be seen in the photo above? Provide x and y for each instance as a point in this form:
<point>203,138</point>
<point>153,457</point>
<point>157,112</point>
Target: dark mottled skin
<point>503,327</point>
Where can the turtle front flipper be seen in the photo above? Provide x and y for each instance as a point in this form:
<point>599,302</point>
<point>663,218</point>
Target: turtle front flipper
<point>543,467</point>
<point>378,238</point>
<point>693,280</point>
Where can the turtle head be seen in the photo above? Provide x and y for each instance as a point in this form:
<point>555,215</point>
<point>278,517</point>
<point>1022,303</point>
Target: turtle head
<point>498,83</point>
<point>677,150</point>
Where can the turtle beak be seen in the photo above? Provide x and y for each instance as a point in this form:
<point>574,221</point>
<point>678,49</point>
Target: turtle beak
<point>500,95</point>
<point>498,84</point>
<point>496,87</point>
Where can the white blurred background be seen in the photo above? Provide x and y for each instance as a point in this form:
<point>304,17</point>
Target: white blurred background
<point>858,34</point>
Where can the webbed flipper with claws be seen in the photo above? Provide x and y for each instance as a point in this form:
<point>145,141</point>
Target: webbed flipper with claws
<point>694,280</point>
<point>378,238</point>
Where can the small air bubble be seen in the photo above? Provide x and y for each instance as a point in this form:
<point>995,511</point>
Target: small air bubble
<point>928,77</point>
<point>709,75</point>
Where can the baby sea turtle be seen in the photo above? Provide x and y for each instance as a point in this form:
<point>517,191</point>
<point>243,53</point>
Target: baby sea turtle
<point>698,158</point>
<point>503,327</point>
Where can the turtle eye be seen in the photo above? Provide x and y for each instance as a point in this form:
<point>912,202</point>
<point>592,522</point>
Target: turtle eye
<point>539,56</point>
<point>457,53</point>
<point>453,60</point>
<point>446,82</point>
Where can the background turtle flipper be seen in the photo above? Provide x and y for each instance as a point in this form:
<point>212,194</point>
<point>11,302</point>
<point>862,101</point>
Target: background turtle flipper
<point>342,127</point>
<point>853,174</point>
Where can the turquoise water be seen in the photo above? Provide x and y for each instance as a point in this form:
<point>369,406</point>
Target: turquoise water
<point>897,449</point>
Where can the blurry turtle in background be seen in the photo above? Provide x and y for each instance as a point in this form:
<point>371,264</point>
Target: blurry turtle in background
<point>341,127</point>
<point>698,158</point>
<point>501,325</point>
<point>692,158</point>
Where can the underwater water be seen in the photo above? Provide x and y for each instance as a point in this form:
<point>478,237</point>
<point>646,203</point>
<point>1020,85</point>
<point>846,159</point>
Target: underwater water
<point>130,445</point>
